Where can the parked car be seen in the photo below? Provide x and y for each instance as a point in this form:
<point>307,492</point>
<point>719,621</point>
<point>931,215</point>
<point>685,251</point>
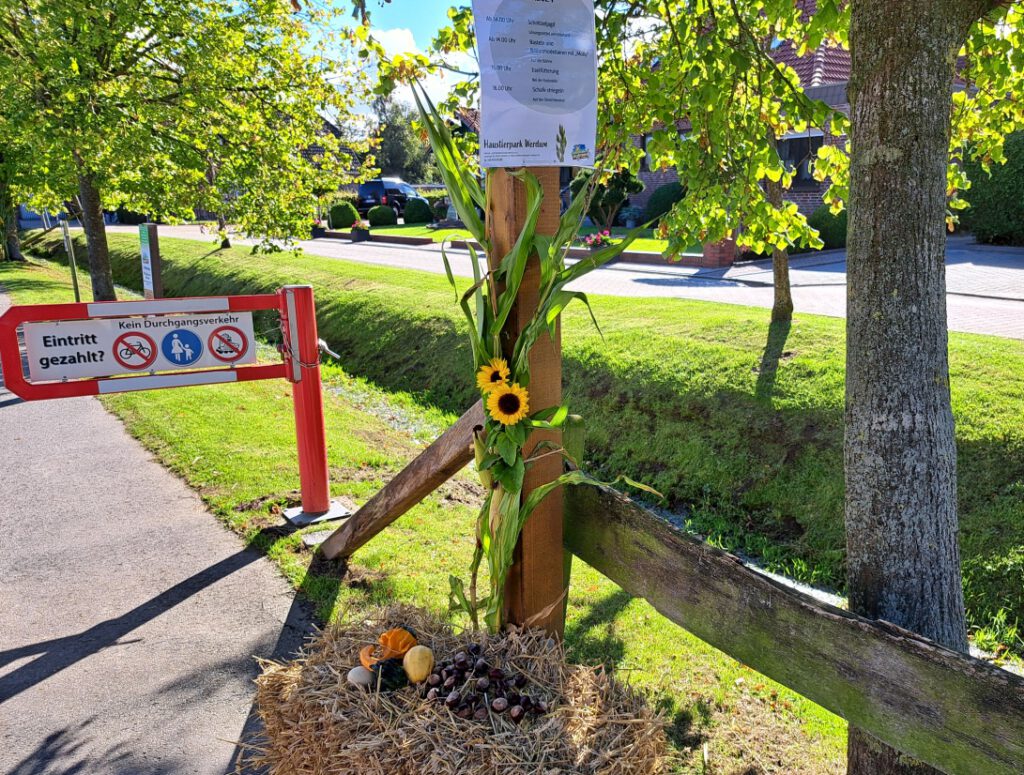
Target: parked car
<point>392,192</point>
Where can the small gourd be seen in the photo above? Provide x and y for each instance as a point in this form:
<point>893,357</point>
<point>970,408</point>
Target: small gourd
<point>397,642</point>
<point>360,676</point>
<point>394,644</point>
<point>418,662</point>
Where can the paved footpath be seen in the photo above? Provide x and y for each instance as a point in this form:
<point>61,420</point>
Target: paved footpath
<point>129,616</point>
<point>985,282</point>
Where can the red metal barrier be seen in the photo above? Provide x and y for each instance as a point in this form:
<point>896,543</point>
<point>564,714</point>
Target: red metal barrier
<point>300,366</point>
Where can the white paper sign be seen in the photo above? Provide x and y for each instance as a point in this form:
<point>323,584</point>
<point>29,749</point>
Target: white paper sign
<point>105,347</point>
<point>147,260</point>
<point>538,82</point>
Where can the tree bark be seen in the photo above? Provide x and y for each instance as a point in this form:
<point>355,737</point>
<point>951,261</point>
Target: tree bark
<point>12,243</point>
<point>782,305</point>
<point>222,226</point>
<point>96,238</point>
<point>903,559</point>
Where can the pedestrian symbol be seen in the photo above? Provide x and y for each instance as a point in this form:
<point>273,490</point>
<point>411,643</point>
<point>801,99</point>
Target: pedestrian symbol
<point>182,347</point>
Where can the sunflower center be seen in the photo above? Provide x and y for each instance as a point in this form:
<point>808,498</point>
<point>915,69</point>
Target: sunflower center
<point>509,403</point>
<point>496,376</point>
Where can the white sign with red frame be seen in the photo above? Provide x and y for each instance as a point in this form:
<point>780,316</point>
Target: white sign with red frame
<point>108,347</point>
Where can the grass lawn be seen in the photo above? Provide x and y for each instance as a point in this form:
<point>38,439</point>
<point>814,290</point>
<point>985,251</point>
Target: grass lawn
<point>739,425</point>
<point>647,244</point>
<point>235,445</point>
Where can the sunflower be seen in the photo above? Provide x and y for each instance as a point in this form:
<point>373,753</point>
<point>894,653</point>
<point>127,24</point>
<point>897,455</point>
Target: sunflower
<point>492,374</point>
<point>508,404</point>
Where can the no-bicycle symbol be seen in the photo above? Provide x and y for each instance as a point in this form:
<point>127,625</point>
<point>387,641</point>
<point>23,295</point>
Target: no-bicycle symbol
<point>182,347</point>
<point>227,344</point>
<point>135,351</point>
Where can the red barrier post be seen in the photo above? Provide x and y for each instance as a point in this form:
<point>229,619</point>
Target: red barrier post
<point>302,358</point>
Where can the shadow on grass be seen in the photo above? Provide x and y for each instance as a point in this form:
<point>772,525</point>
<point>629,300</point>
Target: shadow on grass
<point>593,638</point>
<point>774,349</point>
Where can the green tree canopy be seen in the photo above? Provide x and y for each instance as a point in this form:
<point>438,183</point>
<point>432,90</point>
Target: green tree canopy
<point>401,151</point>
<point>163,108</point>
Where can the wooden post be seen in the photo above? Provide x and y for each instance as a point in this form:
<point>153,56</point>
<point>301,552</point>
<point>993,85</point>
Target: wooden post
<point>536,580</point>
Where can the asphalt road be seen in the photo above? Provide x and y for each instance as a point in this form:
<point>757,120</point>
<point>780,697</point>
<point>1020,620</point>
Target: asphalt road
<point>985,283</point>
<point>129,616</point>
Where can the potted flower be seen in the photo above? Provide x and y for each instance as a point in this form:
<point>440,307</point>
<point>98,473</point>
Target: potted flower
<point>598,240</point>
<point>361,231</point>
<point>632,216</point>
<point>318,229</point>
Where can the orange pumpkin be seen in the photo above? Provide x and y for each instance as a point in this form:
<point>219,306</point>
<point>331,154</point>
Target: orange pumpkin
<point>396,642</point>
<point>393,643</point>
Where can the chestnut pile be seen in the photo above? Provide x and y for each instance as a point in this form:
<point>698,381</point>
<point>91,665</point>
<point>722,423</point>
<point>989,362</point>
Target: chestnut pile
<point>469,687</point>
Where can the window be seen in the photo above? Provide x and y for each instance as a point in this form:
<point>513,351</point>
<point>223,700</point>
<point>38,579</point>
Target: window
<point>798,153</point>
<point>407,189</point>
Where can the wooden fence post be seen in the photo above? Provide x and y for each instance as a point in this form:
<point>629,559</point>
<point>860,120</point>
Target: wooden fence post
<point>536,582</point>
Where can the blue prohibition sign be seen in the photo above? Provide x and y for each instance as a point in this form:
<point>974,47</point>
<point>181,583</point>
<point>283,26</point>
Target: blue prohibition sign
<point>182,347</point>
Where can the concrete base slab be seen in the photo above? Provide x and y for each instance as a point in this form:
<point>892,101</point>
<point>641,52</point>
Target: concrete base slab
<point>313,540</point>
<point>300,518</point>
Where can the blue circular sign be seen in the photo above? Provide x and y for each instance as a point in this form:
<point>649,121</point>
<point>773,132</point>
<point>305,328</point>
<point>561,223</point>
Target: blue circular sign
<point>182,347</point>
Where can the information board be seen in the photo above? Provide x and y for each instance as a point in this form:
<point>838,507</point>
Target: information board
<point>538,82</point>
<point>107,347</point>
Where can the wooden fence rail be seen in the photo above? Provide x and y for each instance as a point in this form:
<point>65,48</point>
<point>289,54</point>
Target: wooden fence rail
<point>950,710</point>
<point>957,713</point>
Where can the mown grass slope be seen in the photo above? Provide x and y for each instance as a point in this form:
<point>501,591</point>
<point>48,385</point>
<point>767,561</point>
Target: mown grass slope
<point>235,444</point>
<point>738,424</point>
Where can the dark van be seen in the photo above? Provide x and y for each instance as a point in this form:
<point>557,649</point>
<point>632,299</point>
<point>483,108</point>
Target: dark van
<point>393,192</point>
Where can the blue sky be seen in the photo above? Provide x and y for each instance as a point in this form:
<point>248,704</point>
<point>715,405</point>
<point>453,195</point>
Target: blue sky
<point>421,17</point>
<point>410,25</point>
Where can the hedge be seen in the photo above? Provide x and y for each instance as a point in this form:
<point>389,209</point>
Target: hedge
<point>432,194</point>
<point>832,228</point>
<point>996,214</point>
<point>662,200</point>
<point>343,215</point>
<point>382,215</point>
<point>418,211</point>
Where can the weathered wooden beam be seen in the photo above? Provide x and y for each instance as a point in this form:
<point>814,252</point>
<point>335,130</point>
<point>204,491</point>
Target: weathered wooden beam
<point>957,713</point>
<point>438,463</point>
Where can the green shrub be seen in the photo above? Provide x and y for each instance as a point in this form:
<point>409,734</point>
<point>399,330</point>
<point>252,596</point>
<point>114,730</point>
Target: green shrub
<point>418,211</point>
<point>831,227</point>
<point>996,214</point>
<point>343,215</point>
<point>130,218</point>
<point>663,199</point>
<point>432,194</point>
<point>382,215</point>
<point>609,196</point>
<point>441,210</point>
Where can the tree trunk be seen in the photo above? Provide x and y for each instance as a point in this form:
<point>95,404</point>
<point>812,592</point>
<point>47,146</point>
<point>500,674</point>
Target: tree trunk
<point>222,227</point>
<point>782,306</point>
<point>12,243</point>
<point>903,559</point>
<point>96,238</point>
